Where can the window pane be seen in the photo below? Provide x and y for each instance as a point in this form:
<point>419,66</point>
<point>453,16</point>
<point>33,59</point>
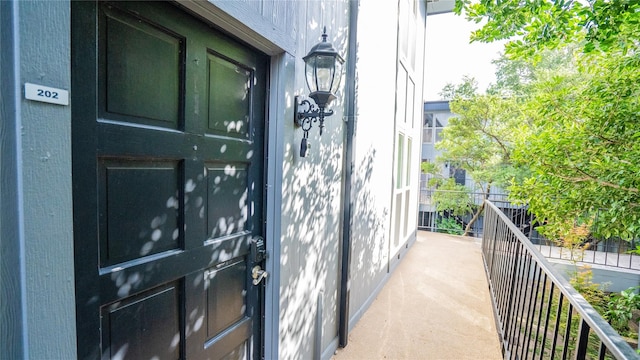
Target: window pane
<point>408,163</point>
<point>427,135</point>
<point>401,95</point>
<point>399,161</point>
<point>410,97</point>
<point>428,120</point>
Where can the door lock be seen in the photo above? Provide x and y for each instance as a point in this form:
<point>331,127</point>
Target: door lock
<point>258,251</point>
<point>258,274</point>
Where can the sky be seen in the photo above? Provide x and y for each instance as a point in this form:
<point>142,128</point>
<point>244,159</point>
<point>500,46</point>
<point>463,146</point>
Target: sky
<point>449,56</point>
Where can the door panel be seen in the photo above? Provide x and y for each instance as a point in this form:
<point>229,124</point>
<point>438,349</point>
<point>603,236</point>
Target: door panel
<point>225,297</point>
<point>168,129</point>
<point>227,185</point>
<point>229,101</point>
<point>155,94</point>
<point>139,207</point>
<point>156,312</point>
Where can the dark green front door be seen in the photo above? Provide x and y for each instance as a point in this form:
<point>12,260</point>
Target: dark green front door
<point>168,132</point>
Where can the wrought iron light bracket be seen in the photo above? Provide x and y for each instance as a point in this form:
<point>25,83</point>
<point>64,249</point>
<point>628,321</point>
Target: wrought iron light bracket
<point>306,113</point>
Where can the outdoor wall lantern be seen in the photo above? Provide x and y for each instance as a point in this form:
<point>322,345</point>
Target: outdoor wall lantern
<point>323,70</point>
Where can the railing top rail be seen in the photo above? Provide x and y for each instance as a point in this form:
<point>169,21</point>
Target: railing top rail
<point>616,345</point>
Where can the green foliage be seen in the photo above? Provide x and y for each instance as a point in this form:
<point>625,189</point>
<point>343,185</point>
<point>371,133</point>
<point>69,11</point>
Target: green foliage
<point>451,197</point>
<point>582,281</point>
<point>466,89</point>
<point>515,78</point>
<point>599,25</point>
<point>429,168</point>
<point>583,152</point>
<point>621,307</point>
<point>448,226</point>
<point>480,138</point>
<point>635,251</point>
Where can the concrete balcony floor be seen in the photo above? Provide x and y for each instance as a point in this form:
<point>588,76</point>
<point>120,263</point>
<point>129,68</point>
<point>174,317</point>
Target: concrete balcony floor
<point>436,305</point>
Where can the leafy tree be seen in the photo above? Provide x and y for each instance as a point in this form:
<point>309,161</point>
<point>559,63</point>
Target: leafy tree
<point>583,154</point>
<point>466,89</point>
<point>599,25</point>
<point>516,77</point>
<point>513,77</point>
<point>480,138</point>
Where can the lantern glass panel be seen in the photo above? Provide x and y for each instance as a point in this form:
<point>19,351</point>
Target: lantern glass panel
<point>320,72</point>
<point>310,73</point>
<point>325,69</point>
<point>337,76</point>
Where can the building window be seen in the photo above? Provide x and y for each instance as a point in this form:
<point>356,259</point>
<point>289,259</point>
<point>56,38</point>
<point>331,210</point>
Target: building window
<point>438,129</point>
<point>458,174</point>
<point>427,130</point>
<point>432,125</point>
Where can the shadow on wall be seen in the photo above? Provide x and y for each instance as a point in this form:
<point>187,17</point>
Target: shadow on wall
<point>310,253</point>
<point>370,241</point>
<point>312,218</point>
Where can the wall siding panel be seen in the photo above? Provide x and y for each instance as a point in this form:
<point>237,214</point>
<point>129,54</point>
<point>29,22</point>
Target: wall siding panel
<point>36,185</point>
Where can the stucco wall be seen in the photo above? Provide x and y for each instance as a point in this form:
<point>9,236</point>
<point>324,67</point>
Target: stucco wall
<point>36,229</point>
<point>376,78</point>
<point>373,251</point>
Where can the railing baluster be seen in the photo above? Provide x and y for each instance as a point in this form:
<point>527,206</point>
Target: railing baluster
<point>531,310</point>
<point>506,277</point>
<point>499,280</point>
<point>523,289</point>
<point>503,272</point>
<point>546,322</point>
<point>544,290</point>
<point>555,330</point>
<point>513,296</point>
<point>493,243</point>
<point>602,351</point>
<point>583,340</point>
<point>567,333</point>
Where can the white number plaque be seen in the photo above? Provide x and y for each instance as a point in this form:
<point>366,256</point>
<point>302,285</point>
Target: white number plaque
<point>46,94</point>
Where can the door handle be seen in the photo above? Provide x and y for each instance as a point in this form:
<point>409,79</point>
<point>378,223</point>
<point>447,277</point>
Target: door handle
<point>258,274</point>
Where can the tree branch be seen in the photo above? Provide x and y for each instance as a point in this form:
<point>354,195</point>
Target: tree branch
<point>588,177</point>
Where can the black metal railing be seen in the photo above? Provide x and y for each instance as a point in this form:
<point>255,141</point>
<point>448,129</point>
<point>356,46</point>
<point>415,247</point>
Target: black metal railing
<point>610,252</point>
<point>539,315</point>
